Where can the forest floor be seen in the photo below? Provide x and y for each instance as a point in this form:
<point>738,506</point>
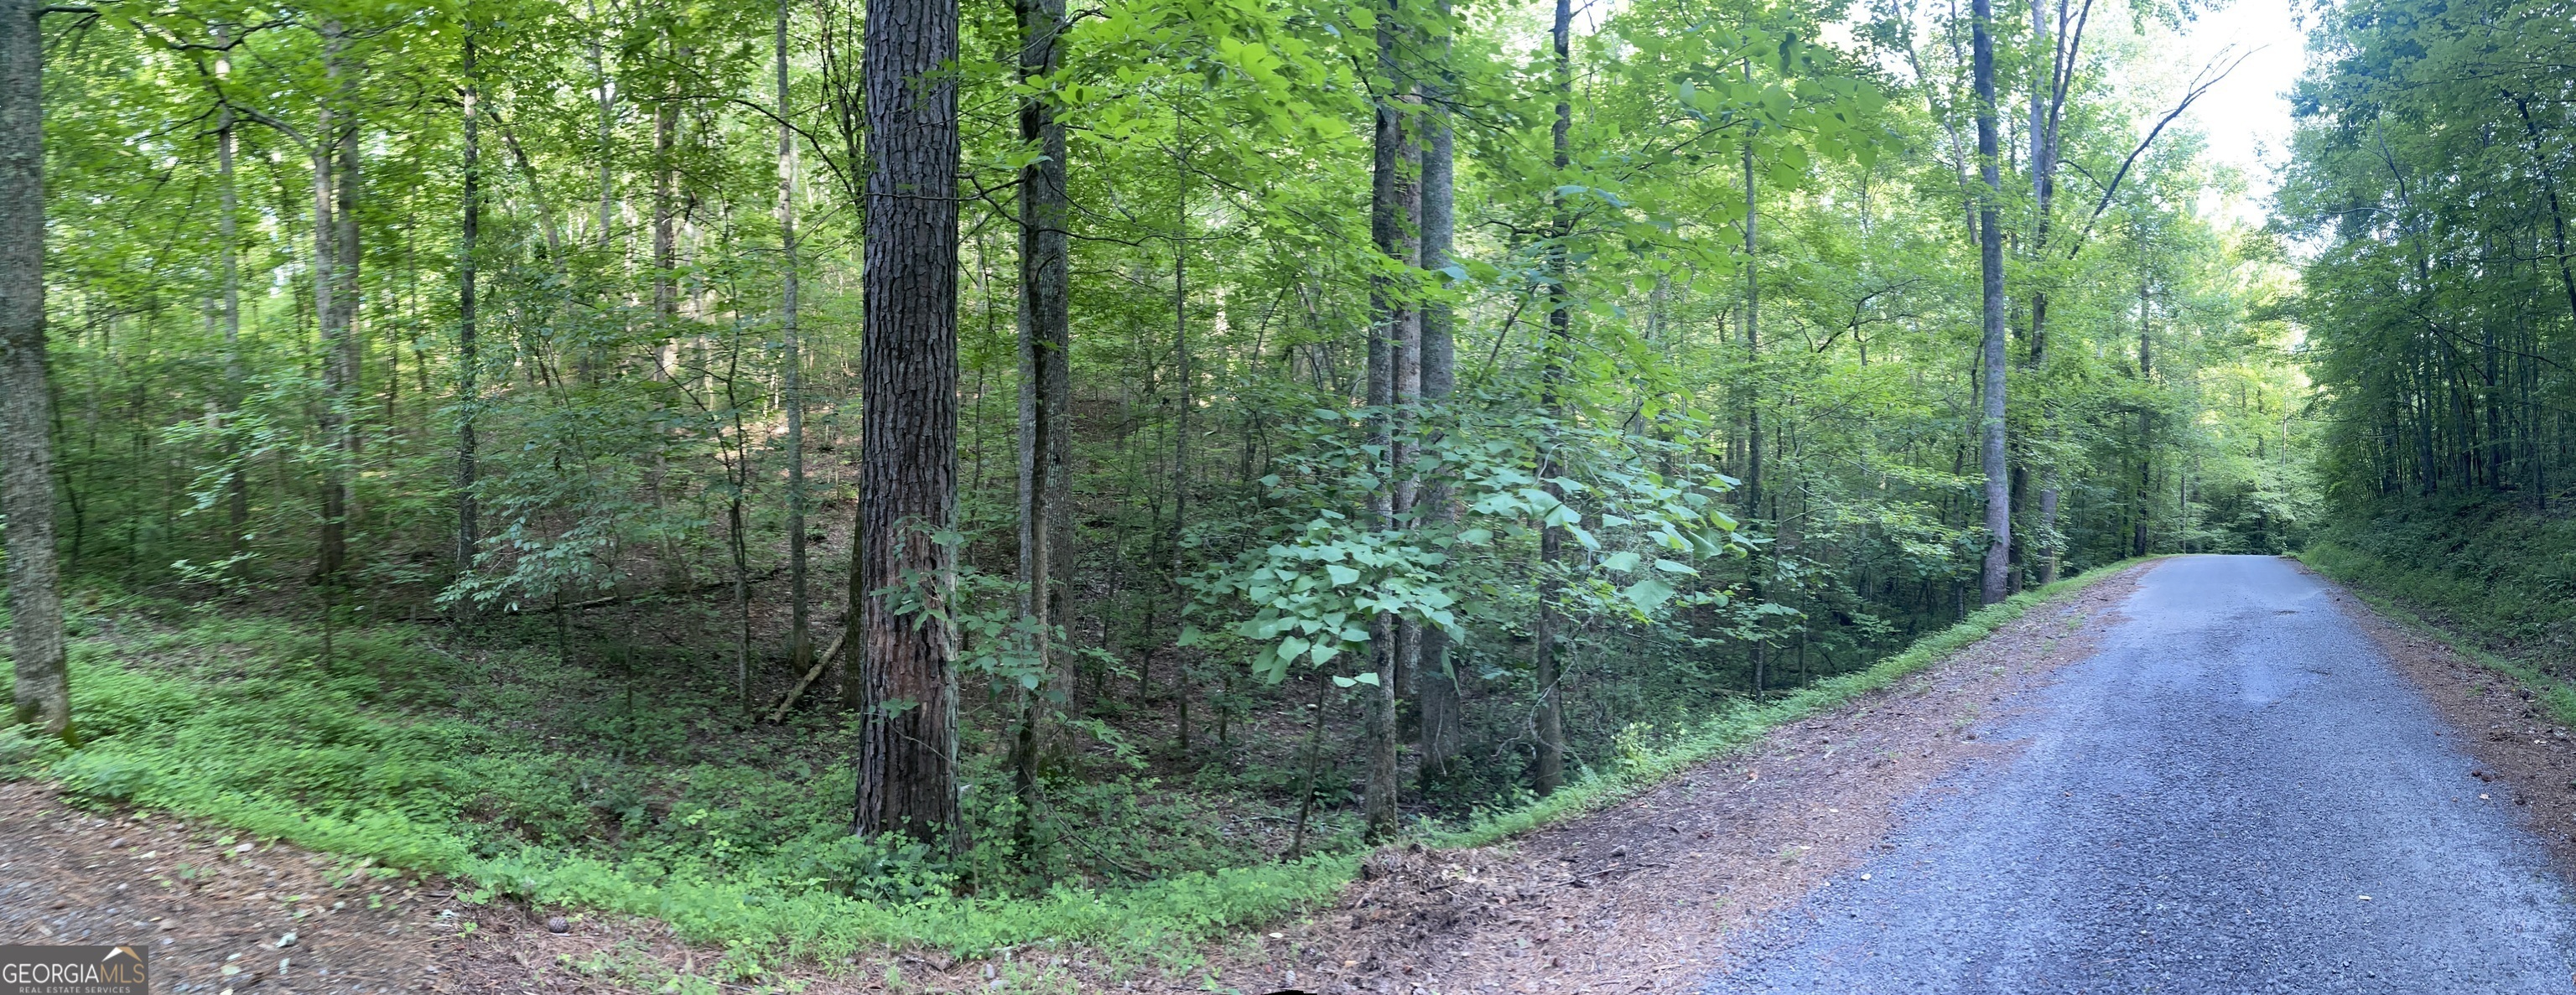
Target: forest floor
<point>1637,897</point>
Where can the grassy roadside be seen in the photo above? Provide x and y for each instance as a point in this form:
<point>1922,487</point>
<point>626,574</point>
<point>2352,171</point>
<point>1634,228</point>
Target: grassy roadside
<point>1747,722</point>
<point>281,754</point>
<point>2378,584</point>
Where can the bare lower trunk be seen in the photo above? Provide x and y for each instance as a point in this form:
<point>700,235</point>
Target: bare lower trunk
<point>1181,374</point>
<point>43,688</point>
<point>336,186</point>
<point>236,489</point>
<point>907,779</point>
<point>1434,688</point>
<point>1395,212</point>
<point>800,630</point>
<point>468,536</point>
<point>1990,239</point>
<point>1046,382</point>
<point>1550,717</point>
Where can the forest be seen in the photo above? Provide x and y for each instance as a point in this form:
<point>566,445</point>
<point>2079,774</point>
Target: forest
<point>847,473</point>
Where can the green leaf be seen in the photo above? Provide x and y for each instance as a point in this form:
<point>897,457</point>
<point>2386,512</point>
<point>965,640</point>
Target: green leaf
<point>1648,594</point>
<point>1624,561</point>
<point>1341,574</point>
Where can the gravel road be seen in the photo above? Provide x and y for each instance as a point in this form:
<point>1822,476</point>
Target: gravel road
<point>2236,794</point>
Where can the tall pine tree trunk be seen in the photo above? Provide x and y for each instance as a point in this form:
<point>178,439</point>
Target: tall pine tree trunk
<point>907,778</point>
<point>43,688</point>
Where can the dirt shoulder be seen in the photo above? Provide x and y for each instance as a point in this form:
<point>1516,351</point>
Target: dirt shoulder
<point>1640,897</point>
<point>2522,753</point>
<point>213,911</point>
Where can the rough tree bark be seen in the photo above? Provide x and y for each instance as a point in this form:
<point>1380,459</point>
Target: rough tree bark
<point>907,779</point>
<point>1990,266</point>
<point>43,689</point>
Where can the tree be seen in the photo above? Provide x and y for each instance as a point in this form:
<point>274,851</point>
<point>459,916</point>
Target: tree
<point>908,467</point>
<point>1996,580</point>
<point>1435,682</point>
<point>468,343</point>
<point>26,407</point>
<point>1550,774</point>
<point>791,358</point>
<point>1045,347</point>
<point>1394,357</point>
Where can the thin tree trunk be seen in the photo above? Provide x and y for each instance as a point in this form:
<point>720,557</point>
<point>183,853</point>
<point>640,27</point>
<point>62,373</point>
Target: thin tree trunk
<point>468,360</point>
<point>1314,760</point>
<point>2146,424</point>
<point>1753,387</point>
<point>1990,239</point>
<point>666,243</point>
<point>607,128</point>
<point>335,237</point>
<point>907,779</point>
<point>800,637</point>
<point>1180,420</point>
<point>1434,687</point>
<point>1045,324</point>
<point>1560,335</point>
<point>43,684</point>
<point>1395,211</point>
<point>237,489</point>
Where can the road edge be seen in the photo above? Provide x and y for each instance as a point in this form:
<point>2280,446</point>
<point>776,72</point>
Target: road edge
<point>1748,723</point>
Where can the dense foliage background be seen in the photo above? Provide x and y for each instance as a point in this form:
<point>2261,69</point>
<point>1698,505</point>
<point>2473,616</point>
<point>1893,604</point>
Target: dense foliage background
<point>1720,338</point>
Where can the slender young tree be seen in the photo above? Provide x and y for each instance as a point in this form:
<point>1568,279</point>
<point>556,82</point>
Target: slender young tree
<point>43,688</point>
<point>800,639</point>
<point>2065,46</point>
<point>1996,577</point>
<point>907,779</point>
<point>1761,647</point>
<point>468,358</point>
<point>1560,346</point>
<point>1046,382</point>
<point>1181,379</point>
<point>335,287</point>
<point>1435,687</point>
<point>1395,219</point>
<point>227,231</point>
